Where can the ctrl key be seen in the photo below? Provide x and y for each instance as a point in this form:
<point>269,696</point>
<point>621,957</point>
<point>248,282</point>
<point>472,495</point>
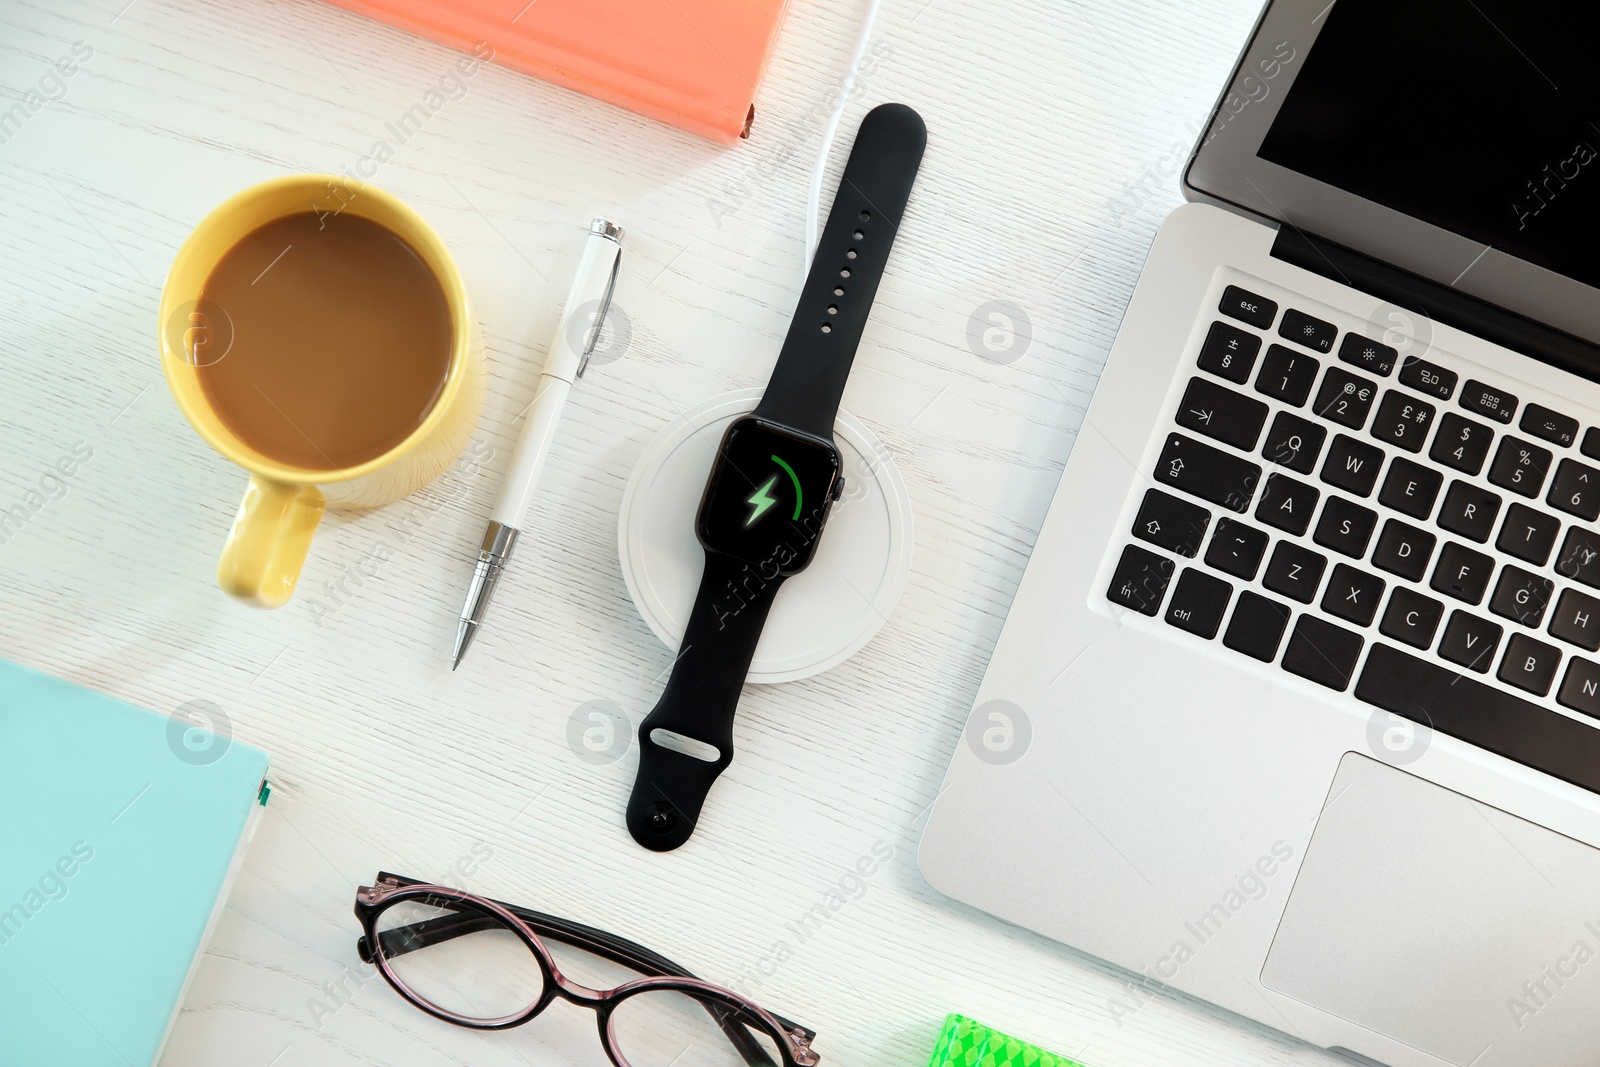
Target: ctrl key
<point>1140,580</point>
<point>1199,603</point>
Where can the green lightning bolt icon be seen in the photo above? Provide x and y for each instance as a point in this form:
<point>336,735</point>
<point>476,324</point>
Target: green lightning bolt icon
<point>760,501</point>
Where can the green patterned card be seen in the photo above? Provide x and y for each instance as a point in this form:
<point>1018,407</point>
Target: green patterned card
<point>965,1043</point>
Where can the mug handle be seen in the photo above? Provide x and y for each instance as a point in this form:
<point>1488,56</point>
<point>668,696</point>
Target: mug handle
<point>268,543</point>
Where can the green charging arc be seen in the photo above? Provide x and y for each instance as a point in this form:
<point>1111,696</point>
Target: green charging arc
<point>793,478</point>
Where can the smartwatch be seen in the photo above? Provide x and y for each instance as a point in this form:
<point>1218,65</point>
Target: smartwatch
<point>775,477</point>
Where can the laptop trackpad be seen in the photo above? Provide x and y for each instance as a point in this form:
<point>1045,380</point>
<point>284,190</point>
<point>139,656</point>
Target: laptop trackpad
<point>1443,923</point>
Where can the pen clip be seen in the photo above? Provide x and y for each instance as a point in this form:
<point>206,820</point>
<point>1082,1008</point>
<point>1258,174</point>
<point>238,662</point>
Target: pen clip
<point>611,232</point>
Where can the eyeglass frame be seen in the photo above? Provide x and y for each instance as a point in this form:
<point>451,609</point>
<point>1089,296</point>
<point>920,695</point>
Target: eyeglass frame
<point>793,1041</point>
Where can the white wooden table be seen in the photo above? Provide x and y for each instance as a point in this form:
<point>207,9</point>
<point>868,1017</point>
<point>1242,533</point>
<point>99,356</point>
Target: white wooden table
<point>1056,134</point>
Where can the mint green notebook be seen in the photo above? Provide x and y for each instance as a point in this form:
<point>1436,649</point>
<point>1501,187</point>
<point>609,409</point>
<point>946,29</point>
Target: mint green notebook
<point>121,832</point>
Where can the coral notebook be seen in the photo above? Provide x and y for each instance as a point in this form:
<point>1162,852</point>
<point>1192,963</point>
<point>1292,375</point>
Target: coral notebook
<point>692,63</point>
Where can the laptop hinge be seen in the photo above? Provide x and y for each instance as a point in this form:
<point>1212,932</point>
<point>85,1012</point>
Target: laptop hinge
<point>1441,303</point>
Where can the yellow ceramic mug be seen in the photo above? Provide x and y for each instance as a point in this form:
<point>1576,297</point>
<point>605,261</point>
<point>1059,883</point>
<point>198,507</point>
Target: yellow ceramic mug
<point>282,506</point>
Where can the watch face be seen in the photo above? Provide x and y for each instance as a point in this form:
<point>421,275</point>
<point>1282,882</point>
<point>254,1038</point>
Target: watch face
<point>768,495</point>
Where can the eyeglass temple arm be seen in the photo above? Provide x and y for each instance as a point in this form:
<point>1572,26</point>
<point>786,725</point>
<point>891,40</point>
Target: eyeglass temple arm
<point>605,945</point>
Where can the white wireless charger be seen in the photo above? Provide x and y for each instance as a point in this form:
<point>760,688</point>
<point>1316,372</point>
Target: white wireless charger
<point>824,614</point>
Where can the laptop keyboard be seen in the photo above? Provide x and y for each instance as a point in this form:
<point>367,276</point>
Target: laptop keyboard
<point>1378,525</point>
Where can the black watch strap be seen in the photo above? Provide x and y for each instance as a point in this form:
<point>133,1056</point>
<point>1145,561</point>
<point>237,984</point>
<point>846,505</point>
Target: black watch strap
<point>852,252</point>
<point>731,607</point>
<point>699,701</point>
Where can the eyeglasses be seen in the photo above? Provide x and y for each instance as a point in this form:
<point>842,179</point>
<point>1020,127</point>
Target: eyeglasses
<point>484,964</point>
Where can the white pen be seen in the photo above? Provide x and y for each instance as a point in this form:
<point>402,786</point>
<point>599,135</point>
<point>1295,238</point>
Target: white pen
<point>590,298</point>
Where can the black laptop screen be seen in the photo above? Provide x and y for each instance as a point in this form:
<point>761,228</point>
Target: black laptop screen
<point>1481,117</point>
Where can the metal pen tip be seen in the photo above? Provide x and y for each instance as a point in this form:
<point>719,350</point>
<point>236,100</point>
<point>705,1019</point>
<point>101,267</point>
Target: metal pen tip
<point>464,632</point>
<point>498,540</point>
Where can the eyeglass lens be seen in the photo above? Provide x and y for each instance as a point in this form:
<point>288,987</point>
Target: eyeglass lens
<point>484,976</point>
<point>489,974</point>
<point>664,1028</point>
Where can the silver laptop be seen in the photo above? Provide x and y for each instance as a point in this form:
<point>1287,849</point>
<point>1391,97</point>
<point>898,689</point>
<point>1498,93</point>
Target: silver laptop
<point>1297,708</point>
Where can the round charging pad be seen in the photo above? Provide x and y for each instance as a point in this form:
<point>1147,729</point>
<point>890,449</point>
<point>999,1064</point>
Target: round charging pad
<point>822,615</point>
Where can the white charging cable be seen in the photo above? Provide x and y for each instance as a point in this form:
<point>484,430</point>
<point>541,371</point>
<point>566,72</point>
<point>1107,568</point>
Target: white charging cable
<point>814,195</point>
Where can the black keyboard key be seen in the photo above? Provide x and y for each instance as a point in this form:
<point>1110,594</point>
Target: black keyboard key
<point>1294,571</point>
<point>1229,352</point>
<point>1198,603</point>
<point>1485,400</point>
<point>1307,330</point>
<point>1371,356</point>
<point>1470,641</point>
<point>1462,573</point>
<point>1173,524</point>
<point>1519,466</point>
<point>1257,626</point>
<point>1287,375</point>
<point>1469,511</point>
<point>1577,619</point>
<point>1528,534</point>
<point>1482,715</point>
<point>1591,442</point>
<point>1322,652</point>
<point>1344,398</point>
<point>1402,420</point>
<point>1549,425</point>
<point>1353,595</point>
<point>1345,527</point>
<point>1236,549</point>
<point>1403,550</point>
<point>1287,504</point>
<point>1222,414</point>
<point>1529,665</point>
<point>1209,473</point>
<point>1352,465</point>
<point>1580,556</point>
<point>1246,306</point>
<point>1428,377</point>
<point>1294,443</point>
<point>1411,617</point>
<point>1140,580</point>
<point>1580,689</point>
<point>1576,490</point>
<point>1461,444</point>
<point>1410,488</point>
<point>1521,597</point>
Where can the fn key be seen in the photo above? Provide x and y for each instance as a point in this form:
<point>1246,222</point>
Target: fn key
<point>1140,580</point>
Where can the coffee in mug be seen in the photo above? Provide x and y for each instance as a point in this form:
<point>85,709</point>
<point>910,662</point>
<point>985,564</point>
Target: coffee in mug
<point>340,340</point>
<point>332,354</point>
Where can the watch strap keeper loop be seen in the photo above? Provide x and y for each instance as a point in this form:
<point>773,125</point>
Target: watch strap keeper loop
<point>699,702</point>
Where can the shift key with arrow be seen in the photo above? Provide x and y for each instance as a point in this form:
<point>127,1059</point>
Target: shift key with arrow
<point>1222,414</point>
<point>1173,524</point>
